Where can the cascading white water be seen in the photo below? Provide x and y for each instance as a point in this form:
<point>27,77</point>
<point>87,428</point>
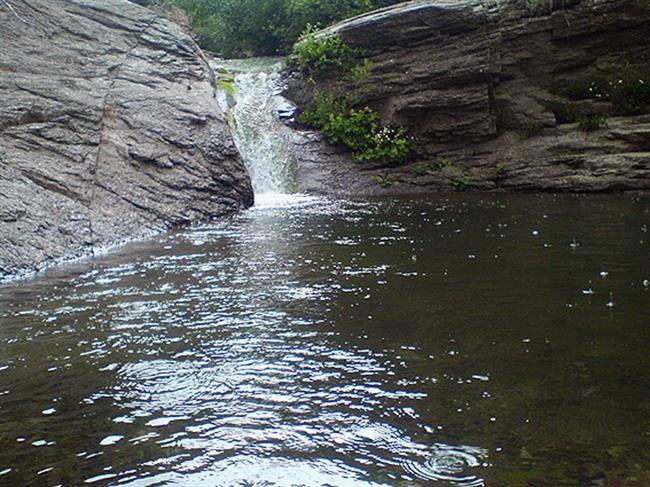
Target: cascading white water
<point>252,105</point>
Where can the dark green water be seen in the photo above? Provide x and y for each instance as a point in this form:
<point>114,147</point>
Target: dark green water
<point>463,340</point>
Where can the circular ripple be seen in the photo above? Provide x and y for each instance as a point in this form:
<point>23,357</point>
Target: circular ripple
<point>456,465</point>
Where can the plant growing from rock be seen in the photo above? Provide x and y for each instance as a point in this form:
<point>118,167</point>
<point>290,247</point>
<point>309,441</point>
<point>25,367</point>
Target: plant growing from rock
<point>531,128</point>
<point>441,164</point>
<point>459,184</point>
<point>629,94</point>
<point>385,182</point>
<point>327,56</point>
<point>589,123</point>
<point>358,130</point>
<point>336,114</point>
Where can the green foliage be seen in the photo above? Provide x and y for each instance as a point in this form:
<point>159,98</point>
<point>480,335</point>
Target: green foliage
<point>329,56</point>
<point>500,169</point>
<point>436,166</point>
<point>358,130</point>
<point>632,97</point>
<point>420,169</point>
<point>388,144</point>
<point>235,28</point>
<point>539,6</point>
<point>564,113</point>
<point>355,129</point>
<point>459,184</point>
<point>441,164</point>
<point>589,123</point>
<point>629,95</point>
<point>385,182</point>
<point>531,128</point>
<point>336,113</point>
<point>580,90</point>
<point>323,105</point>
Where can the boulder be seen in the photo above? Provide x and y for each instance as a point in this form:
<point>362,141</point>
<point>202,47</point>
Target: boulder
<point>109,131</point>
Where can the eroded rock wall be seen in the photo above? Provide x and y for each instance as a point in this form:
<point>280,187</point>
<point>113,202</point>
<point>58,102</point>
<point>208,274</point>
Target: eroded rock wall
<point>476,82</point>
<point>109,130</point>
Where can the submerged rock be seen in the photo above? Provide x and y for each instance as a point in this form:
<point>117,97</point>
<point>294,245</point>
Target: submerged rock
<point>480,85</point>
<point>109,130</point>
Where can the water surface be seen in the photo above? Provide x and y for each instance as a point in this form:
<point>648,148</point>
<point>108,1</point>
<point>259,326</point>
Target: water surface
<point>460,340</point>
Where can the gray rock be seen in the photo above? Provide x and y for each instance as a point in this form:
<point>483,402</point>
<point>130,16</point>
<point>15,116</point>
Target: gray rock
<point>454,71</point>
<point>109,130</point>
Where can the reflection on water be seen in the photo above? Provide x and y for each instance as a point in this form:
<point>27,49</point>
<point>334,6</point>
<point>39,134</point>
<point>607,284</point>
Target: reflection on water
<point>314,342</point>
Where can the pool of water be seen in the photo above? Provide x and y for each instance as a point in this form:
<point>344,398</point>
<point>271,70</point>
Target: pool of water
<point>460,340</point>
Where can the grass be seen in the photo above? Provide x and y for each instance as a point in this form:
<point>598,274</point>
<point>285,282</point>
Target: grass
<point>590,123</point>
<point>385,182</point>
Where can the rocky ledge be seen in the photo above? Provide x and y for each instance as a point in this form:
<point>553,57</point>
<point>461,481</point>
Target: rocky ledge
<point>480,83</point>
<point>109,130</point>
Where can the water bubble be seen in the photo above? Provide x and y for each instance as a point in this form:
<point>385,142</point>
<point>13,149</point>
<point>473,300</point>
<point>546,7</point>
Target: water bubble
<point>456,465</point>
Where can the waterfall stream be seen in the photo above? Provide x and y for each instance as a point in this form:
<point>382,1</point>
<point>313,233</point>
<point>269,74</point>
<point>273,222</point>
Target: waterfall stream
<point>250,98</point>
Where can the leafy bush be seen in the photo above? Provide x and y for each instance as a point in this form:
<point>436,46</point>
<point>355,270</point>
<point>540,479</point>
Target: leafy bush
<point>632,97</point>
<point>563,112</point>
<point>441,164</point>
<point>590,123</point>
<point>388,144</point>
<point>629,95</point>
<point>385,182</point>
<point>459,184</point>
<point>358,130</point>
<point>531,128</point>
<point>580,90</point>
<point>328,56</point>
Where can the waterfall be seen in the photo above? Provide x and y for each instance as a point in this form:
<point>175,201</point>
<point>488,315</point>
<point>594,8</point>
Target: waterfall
<point>249,96</point>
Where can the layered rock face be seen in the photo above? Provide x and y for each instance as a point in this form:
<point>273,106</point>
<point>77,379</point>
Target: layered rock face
<point>478,83</point>
<point>109,130</point>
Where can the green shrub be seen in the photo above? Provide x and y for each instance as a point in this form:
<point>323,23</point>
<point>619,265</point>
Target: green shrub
<point>388,145</point>
<point>327,56</point>
<point>358,130</point>
<point>632,97</point>
<point>531,128</point>
<point>355,129</point>
<point>564,113</point>
<point>629,95</point>
<point>459,184</point>
<point>589,90</point>
<point>322,106</point>
<point>441,164</point>
<point>420,169</point>
<point>385,181</point>
<point>589,123</point>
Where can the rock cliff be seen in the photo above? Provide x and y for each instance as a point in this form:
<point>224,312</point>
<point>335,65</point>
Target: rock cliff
<point>482,86</point>
<point>109,130</point>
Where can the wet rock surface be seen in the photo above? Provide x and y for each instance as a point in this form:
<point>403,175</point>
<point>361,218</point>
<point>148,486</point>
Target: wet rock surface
<point>476,83</point>
<point>108,131</point>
